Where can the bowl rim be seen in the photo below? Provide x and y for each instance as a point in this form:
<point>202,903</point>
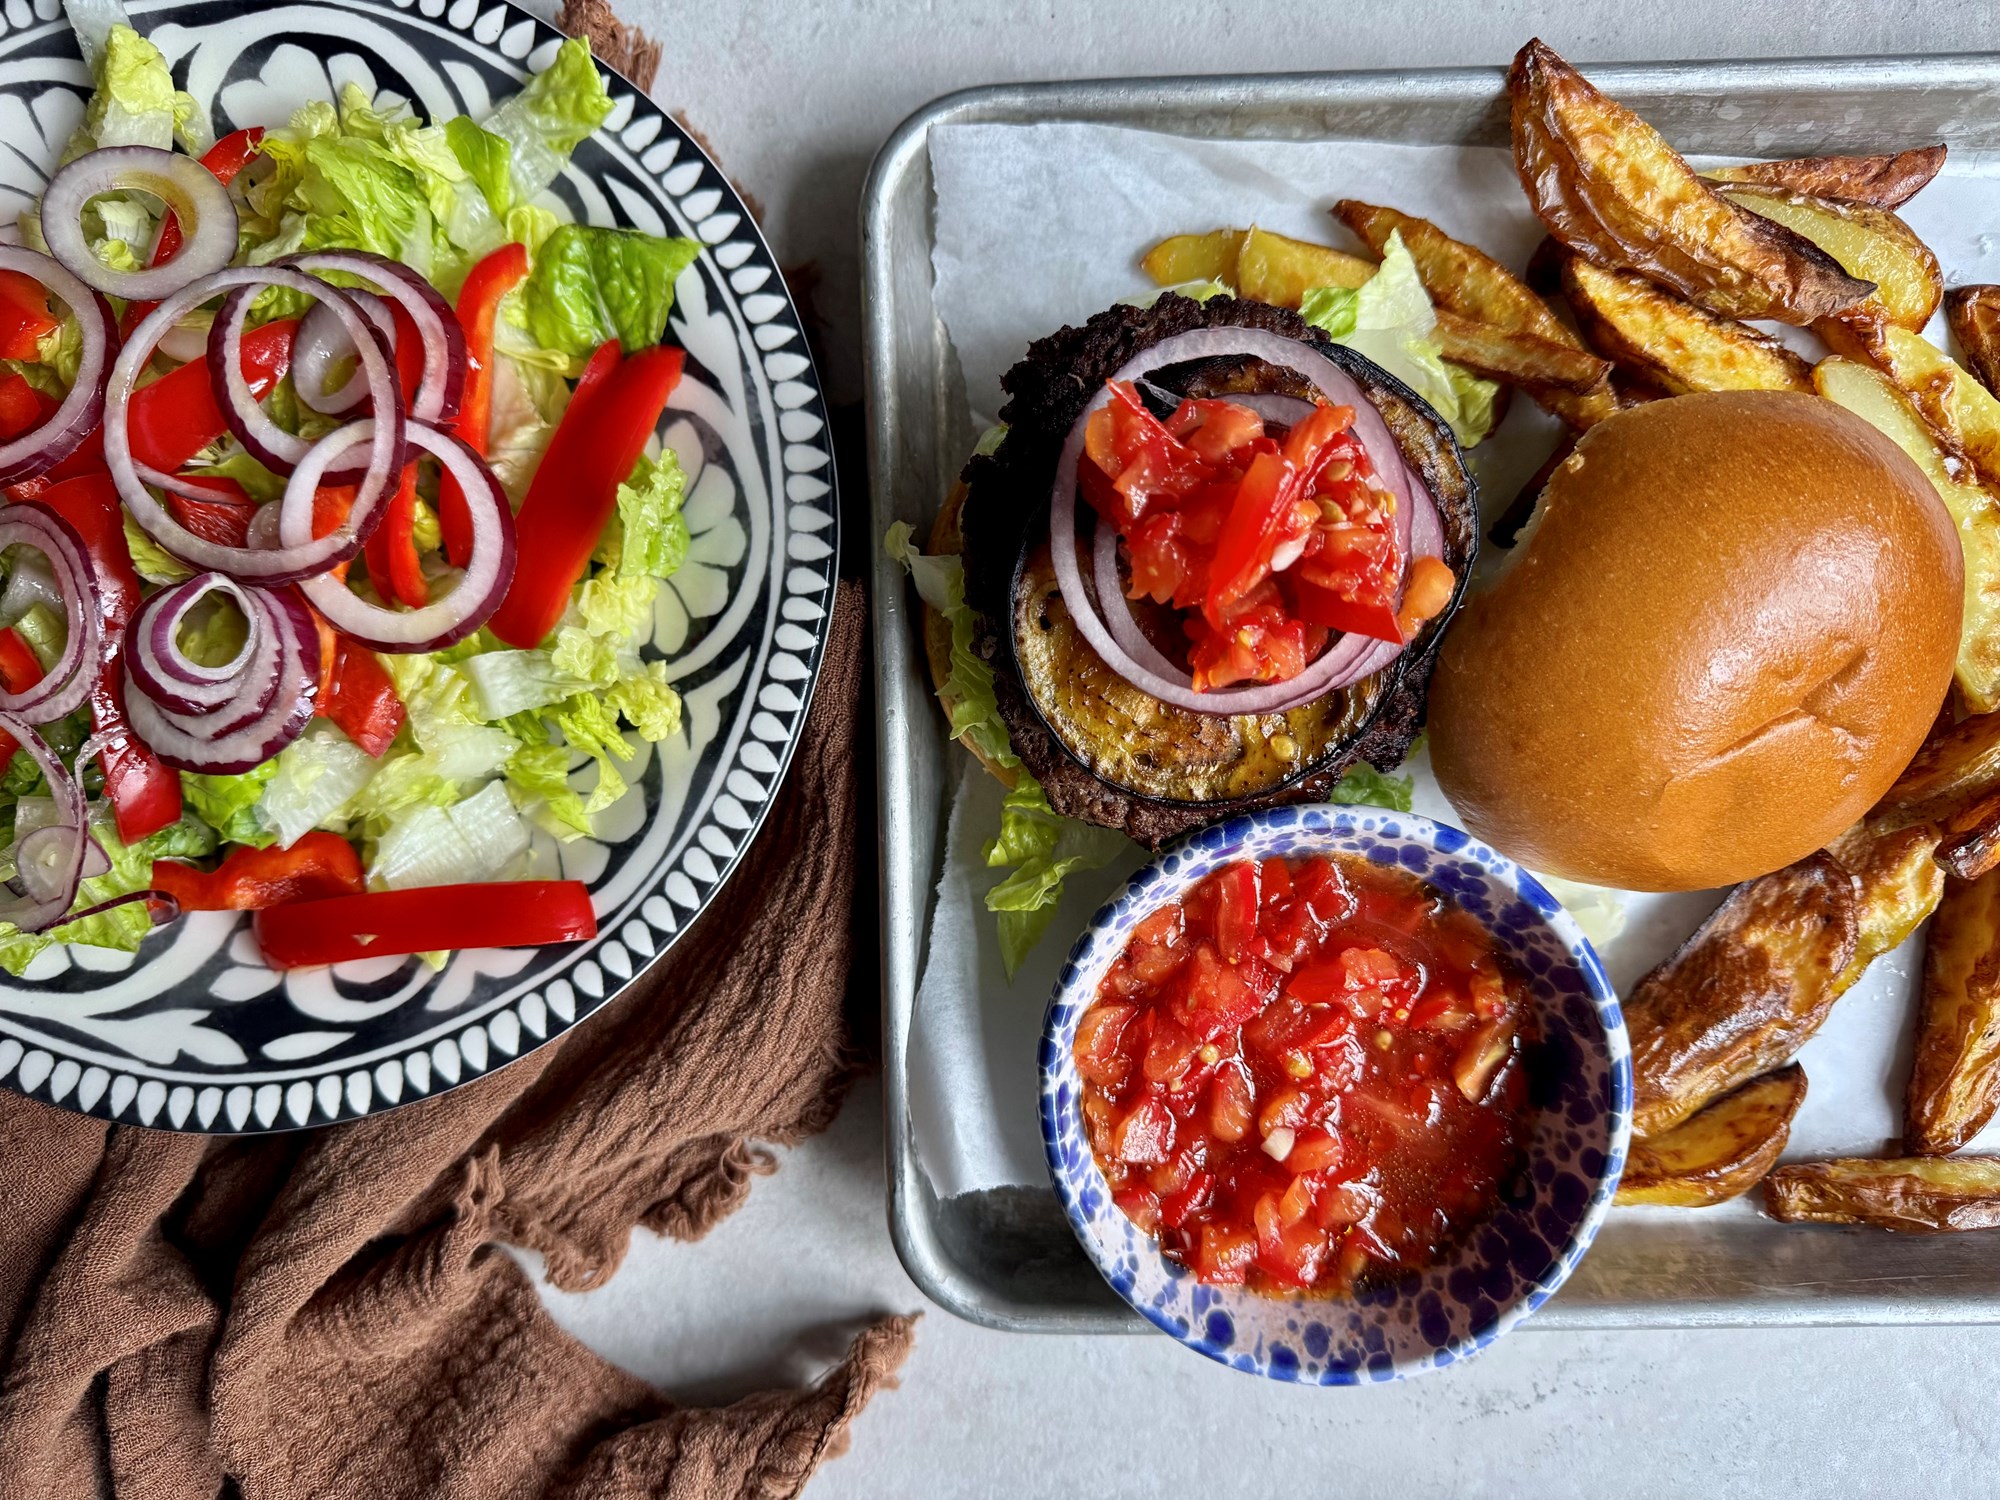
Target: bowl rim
<point>1318,821</point>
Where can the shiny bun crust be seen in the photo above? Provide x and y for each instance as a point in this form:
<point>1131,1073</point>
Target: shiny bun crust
<point>1730,630</point>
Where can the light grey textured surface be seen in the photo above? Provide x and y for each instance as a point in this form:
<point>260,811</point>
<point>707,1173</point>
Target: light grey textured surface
<point>794,98</point>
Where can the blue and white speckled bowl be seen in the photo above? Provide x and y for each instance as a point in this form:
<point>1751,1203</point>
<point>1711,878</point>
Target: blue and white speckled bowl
<point>1581,1092</point>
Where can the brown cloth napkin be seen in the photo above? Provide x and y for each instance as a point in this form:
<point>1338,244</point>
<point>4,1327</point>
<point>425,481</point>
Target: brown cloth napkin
<point>325,1314</point>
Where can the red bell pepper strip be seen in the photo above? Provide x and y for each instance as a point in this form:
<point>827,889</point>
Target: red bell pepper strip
<point>145,793</point>
<point>575,489</point>
<point>317,867</point>
<point>357,694</point>
<point>176,416</point>
<point>504,914</point>
<point>20,669</point>
<point>25,319</point>
<point>478,309</point>
<point>391,549</point>
<point>22,407</point>
<point>224,160</point>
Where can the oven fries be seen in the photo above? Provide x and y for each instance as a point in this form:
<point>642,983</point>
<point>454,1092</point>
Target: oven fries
<point>1872,244</point>
<point>1873,396</point>
<point>1954,1085</point>
<point>1954,772</point>
<point>1971,846</point>
<point>1974,315</point>
<point>1272,268</point>
<point>1887,181</point>
<point>1959,409</point>
<point>1520,358</point>
<point>1673,343</point>
<point>1923,1195</point>
<point>1721,1151</point>
<point>1609,187</point>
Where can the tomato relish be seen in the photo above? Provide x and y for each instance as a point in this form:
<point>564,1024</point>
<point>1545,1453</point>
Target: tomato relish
<point>1306,1074</point>
<point>1268,540</point>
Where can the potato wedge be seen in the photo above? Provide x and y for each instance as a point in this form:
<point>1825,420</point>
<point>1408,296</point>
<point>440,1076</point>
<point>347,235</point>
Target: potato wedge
<point>1744,993</point>
<point>1954,1085</point>
<point>1871,244</point>
<point>1609,187</point>
<point>1673,343</point>
<point>1465,280</point>
<point>1955,770</point>
<point>1960,410</point>
<point>1886,181</point>
<point>1195,257</point>
<point>1921,1195</point>
<point>1970,848</point>
<point>1974,315</point>
<point>1272,268</point>
<point>1873,396</point>
<point>1721,1151</point>
<point>1521,359</point>
<point>1901,885</point>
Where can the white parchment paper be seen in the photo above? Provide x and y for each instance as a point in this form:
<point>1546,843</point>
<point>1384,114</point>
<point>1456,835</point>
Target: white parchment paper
<point>1039,226</point>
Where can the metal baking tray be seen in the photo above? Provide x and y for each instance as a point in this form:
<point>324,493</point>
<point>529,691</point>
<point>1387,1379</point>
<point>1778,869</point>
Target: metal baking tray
<point>1006,1258</point>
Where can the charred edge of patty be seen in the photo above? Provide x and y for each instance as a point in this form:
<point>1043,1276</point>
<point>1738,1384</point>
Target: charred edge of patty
<point>1008,501</point>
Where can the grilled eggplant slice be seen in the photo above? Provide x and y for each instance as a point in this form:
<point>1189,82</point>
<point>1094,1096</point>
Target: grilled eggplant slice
<point>1103,750</point>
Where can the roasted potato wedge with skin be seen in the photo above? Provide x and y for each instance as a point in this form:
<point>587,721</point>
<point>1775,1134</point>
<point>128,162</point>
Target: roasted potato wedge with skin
<point>1918,1195</point>
<point>1610,188</point>
<point>1719,1152</point>
<point>1521,359</point>
<point>1955,770</point>
<point>1272,268</point>
<point>1744,993</point>
<point>1974,315</point>
<point>1900,882</point>
<point>1886,181</point>
<point>1195,257</point>
<point>1873,396</point>
<point>1954,1085</point>
<point>1971,844</point>
<point>1960,410</point>
<point>1871,244</point>
<point>1672,342</point>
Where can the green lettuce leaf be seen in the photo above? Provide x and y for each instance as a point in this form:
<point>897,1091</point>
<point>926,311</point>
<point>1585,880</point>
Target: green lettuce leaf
<point>549,118</point>
<point>590,285</point>
<point>1365,786</point>
<point>538,775</point>
<point>1389,319</point>
<point>967,693</point>
<point>228,804</point>
<point>487,159</point>
<point>650,537</point>
<point>135,102</point>
<point>1043,849</point>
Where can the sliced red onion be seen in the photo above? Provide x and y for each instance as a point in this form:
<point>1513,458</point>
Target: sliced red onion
<point>82,408</point>
<point>67,683</point>
<point>238,690</point>
<point>49,862</point>
<point>1334,668</point>
<point>322,344</point>
<point>482,584</point>
<point>191,193</point>
<point>442,385</point>
<point>231,736</point>
<point>262,565</point>
<point>30,581</point>
<point>187,486</point>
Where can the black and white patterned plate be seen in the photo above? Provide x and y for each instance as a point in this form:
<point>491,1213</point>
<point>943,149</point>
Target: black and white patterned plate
<point>195,1033</point>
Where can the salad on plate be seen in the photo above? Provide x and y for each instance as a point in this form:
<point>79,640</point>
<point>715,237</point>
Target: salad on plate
<point>333,522</point>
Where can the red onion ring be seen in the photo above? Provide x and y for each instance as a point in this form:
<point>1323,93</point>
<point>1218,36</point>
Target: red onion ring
<point>1332,668</point>
<point>482,584</point>
<point>45,897</point>
<point>242,686</point>
<point>82,408</point>
<point>286,564</point>
<point>321,342</point>
<point>442,385</point>
<point>232,736</point>
<point>67,684</point>
<point>188,189</point>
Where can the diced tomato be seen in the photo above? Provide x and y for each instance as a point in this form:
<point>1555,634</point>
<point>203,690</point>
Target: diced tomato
<point>1261,645</point>
<point>1265,514</point>
<point>22,407</point>
<point>25,319</point>
<point>224,520</point>
<point>1322,606</point>
<point>1304,1129</point>
<point>1145,463</point>
<point>1217,431</point>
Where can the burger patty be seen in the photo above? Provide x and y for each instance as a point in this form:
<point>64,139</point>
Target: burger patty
<point>1164,770</point>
